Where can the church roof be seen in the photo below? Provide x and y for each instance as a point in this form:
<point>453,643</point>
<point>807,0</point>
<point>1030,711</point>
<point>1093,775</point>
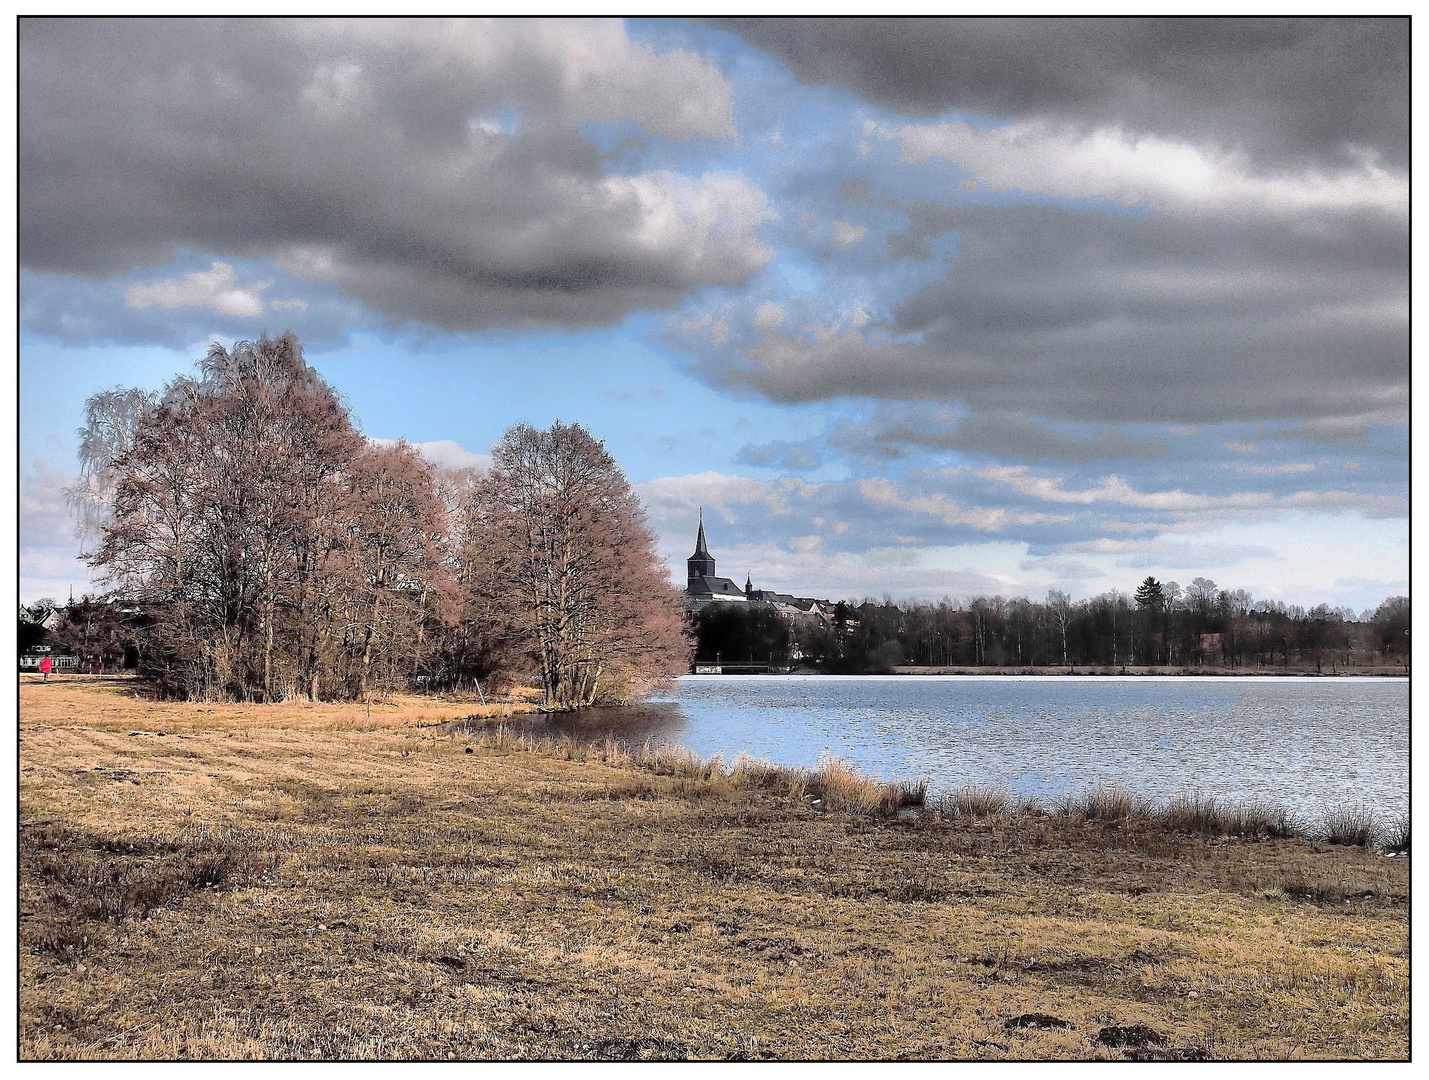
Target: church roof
<point>701,552</point>
<point>709,585</point>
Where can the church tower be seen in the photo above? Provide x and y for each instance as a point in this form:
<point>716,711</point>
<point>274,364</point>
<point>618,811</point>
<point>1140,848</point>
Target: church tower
<point>701,563</point>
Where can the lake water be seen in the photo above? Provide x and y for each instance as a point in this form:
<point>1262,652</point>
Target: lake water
<point>1302,742</point>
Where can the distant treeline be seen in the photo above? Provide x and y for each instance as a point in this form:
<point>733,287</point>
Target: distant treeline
<point>1158,625</point>
<point>260,548</point>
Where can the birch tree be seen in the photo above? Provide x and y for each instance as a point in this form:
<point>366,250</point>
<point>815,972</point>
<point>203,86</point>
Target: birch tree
<point>583,587</point>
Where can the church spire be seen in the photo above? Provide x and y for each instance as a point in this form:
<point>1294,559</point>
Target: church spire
<point>701,564</point>
<point>701,552</point>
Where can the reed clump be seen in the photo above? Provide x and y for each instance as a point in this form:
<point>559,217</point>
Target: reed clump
<point>979,801</point>
<point>1396,838</point>
<point>1254,819</point>
<point>1351,824</point>
<point>838,786</point>
<point>1106,803</point>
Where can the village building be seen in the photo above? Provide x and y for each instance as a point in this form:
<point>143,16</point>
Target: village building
<point>704,588</point>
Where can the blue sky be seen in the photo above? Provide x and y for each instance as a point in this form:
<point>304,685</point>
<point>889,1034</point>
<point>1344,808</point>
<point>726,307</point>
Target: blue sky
<point>913,309</point>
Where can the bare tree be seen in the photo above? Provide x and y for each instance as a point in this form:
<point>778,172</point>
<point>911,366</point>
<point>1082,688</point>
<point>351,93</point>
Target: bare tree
<point>111,421</point>
<point>1059,607</point>
<point>397,569</point>
<point>273,549</point>
<point>584,589</point>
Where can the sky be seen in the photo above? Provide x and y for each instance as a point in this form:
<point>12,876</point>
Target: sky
<point>924,310</point>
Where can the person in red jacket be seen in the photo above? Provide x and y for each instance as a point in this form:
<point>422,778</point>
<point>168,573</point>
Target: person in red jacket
<point>45,666</point>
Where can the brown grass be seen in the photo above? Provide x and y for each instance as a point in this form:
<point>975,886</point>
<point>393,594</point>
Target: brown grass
<point>285,882</point>
<point>979,801</point>
<point>1104,803</point>
<point>1349,823</point>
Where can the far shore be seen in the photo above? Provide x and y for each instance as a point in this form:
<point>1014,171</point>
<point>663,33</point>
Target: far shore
<point>1235,673</point>
<point>703,668</point>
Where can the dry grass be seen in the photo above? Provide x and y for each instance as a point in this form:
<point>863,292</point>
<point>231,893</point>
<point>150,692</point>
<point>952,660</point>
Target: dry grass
<point>274,882</point>
<point>1257,819</point>
<point>1396,835</point>
<point>1348,823</point>
<point>979,801</point>
<point>1104,803</point>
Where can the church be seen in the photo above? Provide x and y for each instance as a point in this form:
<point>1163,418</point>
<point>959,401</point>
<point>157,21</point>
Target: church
<point>704,588</point>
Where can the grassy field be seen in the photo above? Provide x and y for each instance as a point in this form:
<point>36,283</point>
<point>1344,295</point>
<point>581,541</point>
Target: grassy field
<point>241,881</point>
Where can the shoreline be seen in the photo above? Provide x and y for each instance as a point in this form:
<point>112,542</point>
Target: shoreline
<point>1091,672</point>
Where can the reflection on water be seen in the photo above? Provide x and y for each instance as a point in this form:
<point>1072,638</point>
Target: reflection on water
<point>1302,742</point>
<point>651,721</point>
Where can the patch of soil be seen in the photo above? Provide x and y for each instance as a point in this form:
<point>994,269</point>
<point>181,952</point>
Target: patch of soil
<point>1040,1021</point>
<point>868,950</point>
<point>639,1049</point>
<point>1137,1035</point>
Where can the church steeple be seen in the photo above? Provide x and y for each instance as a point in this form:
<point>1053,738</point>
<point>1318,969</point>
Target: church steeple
<point>701,563</point>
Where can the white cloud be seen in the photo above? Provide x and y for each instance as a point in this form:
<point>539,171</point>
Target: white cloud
<point>710,217</point>
<point>1275,470</point>
<point>678,498</point>
<point>216,288</point>
<point>991,519</point>
<point>1113,489</point>
<point>1057,159</point>
<point>768,315</point>
<point>846,233</point>
<point>445,454</point>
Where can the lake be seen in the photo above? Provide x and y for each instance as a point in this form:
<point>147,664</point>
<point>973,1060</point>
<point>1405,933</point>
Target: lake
<point>1303,742</point>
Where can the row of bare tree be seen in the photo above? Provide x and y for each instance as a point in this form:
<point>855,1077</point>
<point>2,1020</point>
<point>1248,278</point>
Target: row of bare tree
<point>1160,625</point>
<point>275,552</point>
<point>1203,627</point>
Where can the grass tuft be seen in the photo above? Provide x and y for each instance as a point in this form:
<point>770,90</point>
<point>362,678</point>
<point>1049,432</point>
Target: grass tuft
<point>1205,814</point>
<point>1396,837</point>
<point>978,801</point>
<point>841,787</point>
<point>1103,803</point>
<point>1351,824</point>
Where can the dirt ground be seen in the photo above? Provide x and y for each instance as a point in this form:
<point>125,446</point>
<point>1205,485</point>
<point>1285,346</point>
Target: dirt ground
<point>293,882</point>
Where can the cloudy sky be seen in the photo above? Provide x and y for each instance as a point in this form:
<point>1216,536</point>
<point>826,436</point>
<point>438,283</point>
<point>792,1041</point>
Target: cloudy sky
<point>922,309</point>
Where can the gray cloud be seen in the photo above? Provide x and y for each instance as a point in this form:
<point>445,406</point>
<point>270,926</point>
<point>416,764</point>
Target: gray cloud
<point>434,172</point>
<point>1186,318</point>
<point>1277,89</point>
<point>782,455</point>
<point>1008,435</point>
